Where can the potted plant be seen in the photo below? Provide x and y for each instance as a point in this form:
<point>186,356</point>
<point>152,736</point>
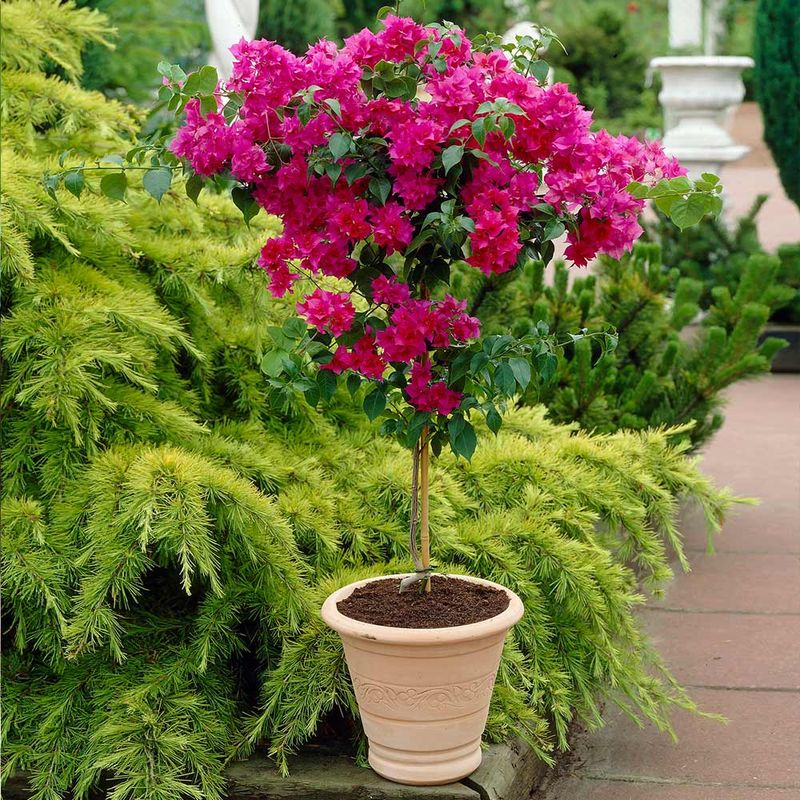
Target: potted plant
<point>388,160</point>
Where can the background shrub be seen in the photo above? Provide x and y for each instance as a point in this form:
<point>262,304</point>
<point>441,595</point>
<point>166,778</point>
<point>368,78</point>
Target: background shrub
<point>656,375</point>
<point>718,256</point>
<point>777,82</point>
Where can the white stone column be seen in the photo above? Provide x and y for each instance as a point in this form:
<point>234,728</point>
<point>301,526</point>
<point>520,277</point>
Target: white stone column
<point>685,24</point>
<point>228,22</point>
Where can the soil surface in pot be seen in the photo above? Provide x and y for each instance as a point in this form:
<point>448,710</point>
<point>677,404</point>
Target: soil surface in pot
<point>450,602</point>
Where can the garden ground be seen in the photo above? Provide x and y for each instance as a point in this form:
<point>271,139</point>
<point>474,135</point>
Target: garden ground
<point>730,630</point>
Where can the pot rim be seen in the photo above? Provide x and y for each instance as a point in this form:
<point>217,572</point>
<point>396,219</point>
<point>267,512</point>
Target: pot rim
<point>347,626</point>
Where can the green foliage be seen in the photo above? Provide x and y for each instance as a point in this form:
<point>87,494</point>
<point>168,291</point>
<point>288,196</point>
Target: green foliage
<point>657,375</point>
<point>170,525</point>
<point>604,64</point>
<point>146,31</point>
<point>718,256</point>
<point>777,84</point>
<point>296,24</point>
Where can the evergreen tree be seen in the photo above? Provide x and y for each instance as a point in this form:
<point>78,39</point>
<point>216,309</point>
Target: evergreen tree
<point>777,83</point>
<point>170,524</point>
<point>656,375</point>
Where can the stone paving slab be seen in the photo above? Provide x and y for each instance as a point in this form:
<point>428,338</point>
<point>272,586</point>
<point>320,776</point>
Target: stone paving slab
<point>759,747</point>
<point>723,649</point>
<point>747,530</point>
<point>764,582</point>
<point>583,789</point>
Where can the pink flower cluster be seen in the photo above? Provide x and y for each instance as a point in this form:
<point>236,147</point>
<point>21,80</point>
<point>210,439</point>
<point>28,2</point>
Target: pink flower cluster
<point>551,157</point>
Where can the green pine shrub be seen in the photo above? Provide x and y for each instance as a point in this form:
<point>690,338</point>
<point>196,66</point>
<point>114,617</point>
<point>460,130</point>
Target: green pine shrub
<point>605,65</point>
<point>717,255</point>
<point>656,375</point>
<point>170,524</point>
<point>777,85</point>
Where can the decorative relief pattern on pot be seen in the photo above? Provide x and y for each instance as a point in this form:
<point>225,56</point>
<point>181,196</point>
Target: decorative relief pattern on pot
<point>454,697</point>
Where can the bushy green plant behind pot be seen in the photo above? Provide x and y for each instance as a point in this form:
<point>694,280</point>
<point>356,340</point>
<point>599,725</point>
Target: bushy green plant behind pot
<point>656,375</point>
<point>717,255</point>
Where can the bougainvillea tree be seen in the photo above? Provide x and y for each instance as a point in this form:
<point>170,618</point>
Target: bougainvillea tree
<point>388,160</point>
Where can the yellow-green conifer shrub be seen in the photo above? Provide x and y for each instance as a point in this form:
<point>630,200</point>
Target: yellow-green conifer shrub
<point>170,524</point>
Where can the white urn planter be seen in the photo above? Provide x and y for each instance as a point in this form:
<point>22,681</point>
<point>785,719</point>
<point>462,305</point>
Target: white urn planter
<point>698,95</point>
<point>423,693</point>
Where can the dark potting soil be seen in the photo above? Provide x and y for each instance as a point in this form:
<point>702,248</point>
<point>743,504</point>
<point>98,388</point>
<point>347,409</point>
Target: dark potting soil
<point>451,602</point>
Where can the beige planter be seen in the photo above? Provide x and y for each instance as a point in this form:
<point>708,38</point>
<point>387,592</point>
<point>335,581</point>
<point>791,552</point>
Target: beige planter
<point>423,694</point>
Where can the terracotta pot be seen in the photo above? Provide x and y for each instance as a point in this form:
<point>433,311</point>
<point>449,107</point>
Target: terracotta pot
<point>423,694</point>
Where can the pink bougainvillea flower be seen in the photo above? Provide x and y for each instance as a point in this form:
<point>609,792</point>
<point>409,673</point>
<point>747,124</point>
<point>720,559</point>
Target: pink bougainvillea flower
<point>366,180</point>
<point>391,229</point>
<point>328,311</point>
<point>425,395</point>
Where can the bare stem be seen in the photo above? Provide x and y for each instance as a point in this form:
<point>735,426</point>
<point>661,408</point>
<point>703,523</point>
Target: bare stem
<point>412,531</point>
<point>425,457</point>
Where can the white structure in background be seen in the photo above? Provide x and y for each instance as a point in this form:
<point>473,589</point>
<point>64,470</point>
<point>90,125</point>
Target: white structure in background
<point>695,25</point>
<point>229,21</point>
<point>698,95</point>
<point>526,28</point>
<point>685,24</point>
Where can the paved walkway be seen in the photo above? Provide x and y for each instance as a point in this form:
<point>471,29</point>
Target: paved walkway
<point>730,631</point>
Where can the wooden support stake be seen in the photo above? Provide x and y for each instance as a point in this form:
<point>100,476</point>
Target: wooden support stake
<point>425,542</point>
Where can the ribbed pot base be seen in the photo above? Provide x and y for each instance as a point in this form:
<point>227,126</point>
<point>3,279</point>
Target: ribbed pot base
<point>425,769</point>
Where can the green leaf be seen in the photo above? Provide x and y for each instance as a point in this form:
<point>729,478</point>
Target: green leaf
<point>639,190</point>
<point>375,403</point>
<point>553,230</point>
<point>353,383</point>
<point>194,185</point>
<point>353,172</point>
<point>479,130</point>
<point>327,382</point>
<point>207,80</point>
<point>333,171</point>
<point>294,328</point>
<point>493,420</point>
<point>504,380</point>
<point>157,181</point>
<point>483,156</point>
<point>114,185</point>
<point>463,439</point>
<point>272,363</point>
<point>459,123</point>
<point>478,362</point>
<point>208,104</point>
<point>334,105</point>
<point>522,371</point>
<point>688,211</point>
<point>339,144</point>
<point>384,11</point>
<point>680,184</point>
<point>243,200</point>
<point>451,156</point>
<point>546,364</point>
<point>460,366</point>
<point>380,188</point>
<point>74,182</point>
<point>540,70</point>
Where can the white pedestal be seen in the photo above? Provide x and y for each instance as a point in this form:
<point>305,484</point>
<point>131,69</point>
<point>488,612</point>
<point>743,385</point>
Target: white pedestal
<point>698,95</point>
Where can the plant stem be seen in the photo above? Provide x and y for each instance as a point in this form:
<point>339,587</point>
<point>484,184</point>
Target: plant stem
<point>424,463</point>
